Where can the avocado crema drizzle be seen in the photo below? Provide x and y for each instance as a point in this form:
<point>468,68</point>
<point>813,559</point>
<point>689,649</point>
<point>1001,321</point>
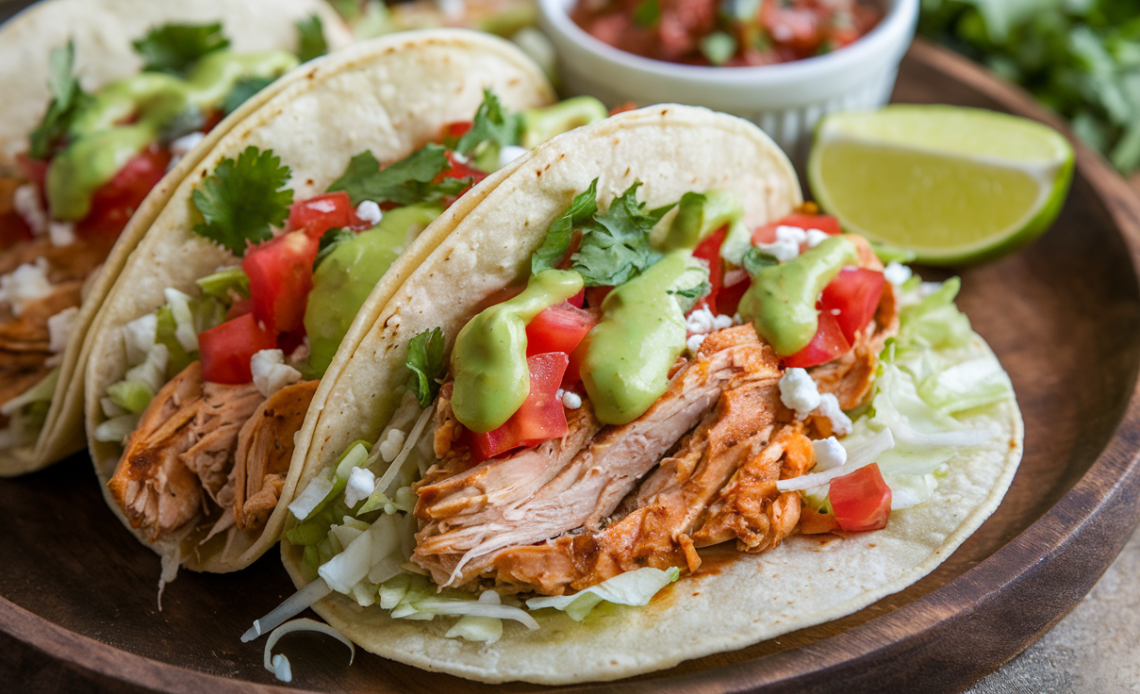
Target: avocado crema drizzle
<point>102,142</point>
<point>631,350</point>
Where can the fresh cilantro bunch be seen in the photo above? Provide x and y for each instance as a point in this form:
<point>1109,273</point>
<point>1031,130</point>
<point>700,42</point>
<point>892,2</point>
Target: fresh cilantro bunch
<point>67,100</point>
<point>176,48</point>
<point>1080,58</point>
<point>242,200</point>
<point>492,128</point>
<point>427,366</point>
<point>615,244</point>
<point>406,182</point>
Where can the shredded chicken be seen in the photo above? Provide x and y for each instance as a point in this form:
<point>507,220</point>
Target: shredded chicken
<point>264,451</point>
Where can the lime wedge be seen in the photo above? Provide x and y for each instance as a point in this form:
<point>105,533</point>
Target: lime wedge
<point>955,185</point>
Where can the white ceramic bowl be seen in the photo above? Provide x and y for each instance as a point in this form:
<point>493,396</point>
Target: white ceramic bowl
<point>785,100</point>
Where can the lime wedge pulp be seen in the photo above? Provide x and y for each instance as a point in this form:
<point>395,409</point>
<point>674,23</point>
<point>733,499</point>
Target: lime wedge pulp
<point>955,185</point>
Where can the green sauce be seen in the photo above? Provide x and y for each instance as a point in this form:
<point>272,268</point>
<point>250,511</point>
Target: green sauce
<point>781,300</point>
<point>541,124</point>
<point>100,148</point>
<point>700,214</point>
<point>641,334</point>
<point>489,360</point>
<point>346,277</point>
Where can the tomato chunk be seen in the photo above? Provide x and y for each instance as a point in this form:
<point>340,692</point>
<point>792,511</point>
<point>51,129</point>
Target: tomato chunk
<point>728,298</point>
<point>226,350</point>
<point>460,170</point>
<point>116,201</point>
<point>596,295</point>
<point>540,418</point>
<point>824,222</point>
<point>827,344</point>
<point>708,250</point>
<point>855,294</point>
<point>861,500</point>
<point>558,329</point>
<point>280,277</point>
<point>317,215</point>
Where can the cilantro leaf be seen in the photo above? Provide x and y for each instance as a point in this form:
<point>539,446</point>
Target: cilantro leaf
<point>67,100</point>
<point>615,245</point>
<point>243,91</point>
<point>175,48</point>
<point>688,297</point>
<point>310,38</point>
<point>492,125</point>
<point>242,200</point>
<point>647,13</point>
<point>406,182</point>
<point>756,260</point>
<point>561,232</point>
<point>329,241</point>
<point>425,361</point>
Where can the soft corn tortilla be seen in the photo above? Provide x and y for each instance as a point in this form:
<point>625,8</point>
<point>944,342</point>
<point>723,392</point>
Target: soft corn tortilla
<point>388,96</point>
<point>103,31</point>
<point>671,149</point>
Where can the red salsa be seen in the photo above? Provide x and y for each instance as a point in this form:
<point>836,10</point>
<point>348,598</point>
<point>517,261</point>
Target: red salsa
<point>730,33</point>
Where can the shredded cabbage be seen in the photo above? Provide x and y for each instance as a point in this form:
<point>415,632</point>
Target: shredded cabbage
<point>635,588</point>
<point>351,566</point>
<point>179,304</point>
<point>294,605</point>
<point>279,664</point>
<point>474,628</point>
<point>138,337</point>
<point>116,429</point>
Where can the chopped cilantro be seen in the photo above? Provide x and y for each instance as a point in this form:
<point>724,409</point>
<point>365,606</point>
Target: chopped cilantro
<point>67,99</point>
<point>242,200</point>
<point>242,92</point>
<point>310,38</point>
<point>615,244</point>
<point>329,241</point>
<point>492,125</point>
<point>425,361</point>
<point>756,260</point>
<point>175,48</point>
<point>647,13</point>
<point>406,182</point>
<point>558,237</point>
<point>688,297</point>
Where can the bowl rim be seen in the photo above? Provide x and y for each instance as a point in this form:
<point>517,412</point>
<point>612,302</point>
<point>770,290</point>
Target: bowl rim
<point>895,29</point>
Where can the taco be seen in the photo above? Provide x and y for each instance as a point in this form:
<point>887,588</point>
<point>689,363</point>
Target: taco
<point>614,370</point>
<point>209,352</point>
<point>102,99</point>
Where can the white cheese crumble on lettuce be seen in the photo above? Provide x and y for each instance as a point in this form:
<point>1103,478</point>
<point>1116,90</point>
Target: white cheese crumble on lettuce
<point>370,212</point>
<point>270,372</point>
<point>25,284</point>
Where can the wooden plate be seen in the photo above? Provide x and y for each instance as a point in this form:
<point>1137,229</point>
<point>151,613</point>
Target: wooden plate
<point>1063,316</point>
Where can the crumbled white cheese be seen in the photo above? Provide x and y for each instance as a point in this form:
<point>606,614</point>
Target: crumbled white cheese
<point>787,245</point>
<point>693,343</point>
<point>829,407</point>
<point>270,372</point>
<point>59,329</point>
<point>458,156</point>
<point>816,237</point>
<point>829,453</point>
<point>182,146</point>
<point>510,153</point>
<point>138,335</point>
<point>571,400</point>
<point>798,392</point>
<point>24,285</point>
<point>26,200</point>
<point>62,234</point>
<point>896,273</point>
<point>370,212</point>
<point>361,484</point>
<point>702,321</point>
<point>391,446</point>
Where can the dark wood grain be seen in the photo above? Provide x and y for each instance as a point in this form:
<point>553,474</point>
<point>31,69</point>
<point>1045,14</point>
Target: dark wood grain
<point>79,594</point>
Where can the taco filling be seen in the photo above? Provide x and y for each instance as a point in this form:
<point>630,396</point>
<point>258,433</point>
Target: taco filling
<point>86,170</point>
<point>666,380</point>
<point>219,383</point>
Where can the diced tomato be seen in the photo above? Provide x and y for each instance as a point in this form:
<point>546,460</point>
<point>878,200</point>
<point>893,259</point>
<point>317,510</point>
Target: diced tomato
<point>558,329</point>
<point>461,170</point>
<point>280,277</point>
<point>540,418</point>
<point>116,201</point>
<point>861,500</point>
<point>226,350</point>
<point>574,368</point>
<point>728,298</point>
<point>799,29</point>
<point>827,344</point>
<point>855,293</point>
<point>708,250</point>
<point>34,169</point>
<point>212,119</point>
<point>239,308</point>
<point>578,299</point>
<point>454,131</point>
<point>824,222</point>
<point>596,295</point>
<point>288,342</point>
<point>317,215</point>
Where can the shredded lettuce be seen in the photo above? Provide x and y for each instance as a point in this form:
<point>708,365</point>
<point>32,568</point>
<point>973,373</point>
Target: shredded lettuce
<point>935,322</point>
<point>132,396</point>
<point>27,412</point>
<point>635,588</point>
<point>116,429</point>
<point>139,336</point>
<point>488,630</point>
